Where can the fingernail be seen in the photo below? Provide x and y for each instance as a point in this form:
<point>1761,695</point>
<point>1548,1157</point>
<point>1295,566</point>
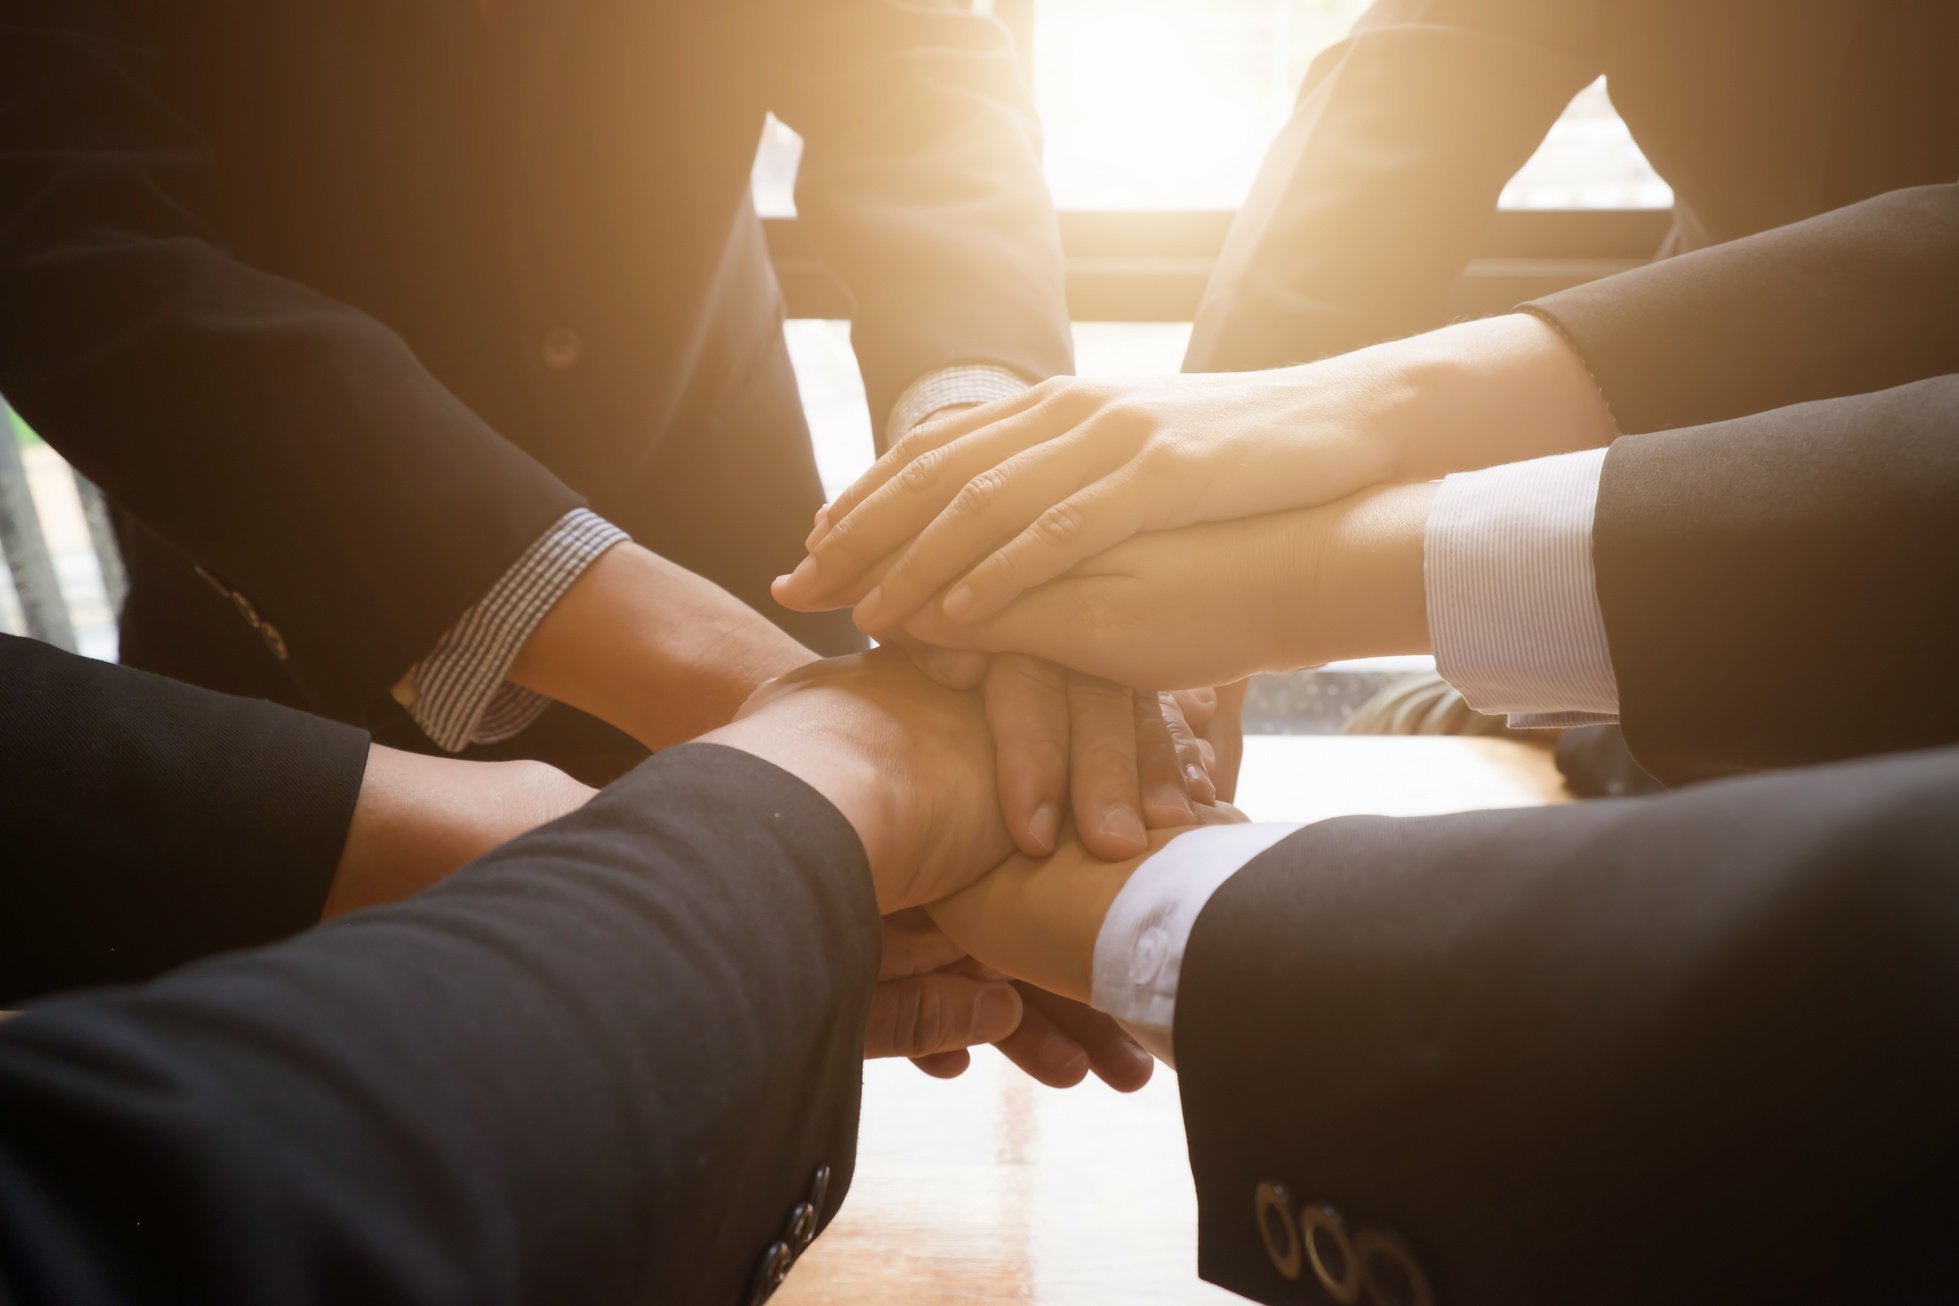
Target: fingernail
<point>1202,787</point>
<point>996,1013</point>
<point>1045,826</point>
<point>868,608</point>
<point>1123,823</point>
<point>960,603</point>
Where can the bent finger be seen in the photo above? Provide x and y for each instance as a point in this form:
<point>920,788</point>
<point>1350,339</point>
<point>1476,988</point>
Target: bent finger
<point>1102,767</point>
<point>1189,757</point>
<point>1159,775</point>
<point>1117,1059</point>
<point>940,1012</point>
<point>1027,710</point>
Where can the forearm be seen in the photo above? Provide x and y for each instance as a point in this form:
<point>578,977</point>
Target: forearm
<point>1480,394</point>
<point>500,1084</point>
<point>653,649</point>
<point>418,819</point>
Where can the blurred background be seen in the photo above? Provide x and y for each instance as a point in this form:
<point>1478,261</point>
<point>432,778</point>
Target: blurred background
<point>1157,114</point>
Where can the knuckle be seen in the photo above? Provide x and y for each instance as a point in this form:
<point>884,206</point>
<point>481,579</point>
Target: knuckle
<point>921,471</point>
<point>1061,524</point>
<point>978,494</point>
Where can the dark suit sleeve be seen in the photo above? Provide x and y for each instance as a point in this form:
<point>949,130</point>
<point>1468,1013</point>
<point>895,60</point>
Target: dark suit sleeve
<point>1779,589</point>
<point>1370,203</point>
<point>603,1064</point>
<point>1861,298</point>
<point>1698,1047</point>
<point>290,445</point>
<point>147,823</point>
<point>921,187</point>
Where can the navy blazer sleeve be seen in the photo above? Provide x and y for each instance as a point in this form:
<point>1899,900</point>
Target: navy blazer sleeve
<point>1371,201</point>
<point>921,187</point>
<point>1862,298</point>
<point>606,1063</point>
<point>1698,1047</point>
<point>146,823</point>
<point>1778,589</point>
<point>145,350</point>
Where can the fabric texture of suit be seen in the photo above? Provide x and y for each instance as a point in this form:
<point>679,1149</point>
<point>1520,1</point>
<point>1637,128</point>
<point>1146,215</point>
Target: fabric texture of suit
<point>346,303</point>
<point>1757,113</point>
<point>1777,539</point>
<point>610,1062</point>
<point>1696,1047</point>
<point>147,823</point>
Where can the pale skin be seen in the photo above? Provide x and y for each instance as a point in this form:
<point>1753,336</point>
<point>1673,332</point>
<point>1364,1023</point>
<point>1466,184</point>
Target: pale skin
<point>967,516</point>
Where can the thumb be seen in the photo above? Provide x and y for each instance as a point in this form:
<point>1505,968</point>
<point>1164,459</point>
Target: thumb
<point>940,1012</point>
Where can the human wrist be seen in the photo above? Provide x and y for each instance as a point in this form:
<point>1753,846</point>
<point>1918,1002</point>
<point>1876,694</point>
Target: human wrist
<point>417,819</point>
<point>1356,588</point>
<point>824,757</point>
<point>653,649</point>
<point>1497,390</point>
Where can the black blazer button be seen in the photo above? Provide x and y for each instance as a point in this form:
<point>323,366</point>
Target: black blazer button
<point>771,1272</point>
<point>819,1188</point>
<point>1278,1226</point>
<point>802,1226</point>
<point>1389,1269</point>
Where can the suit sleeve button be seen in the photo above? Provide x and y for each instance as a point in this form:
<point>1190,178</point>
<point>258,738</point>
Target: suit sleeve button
<point>1389,1270</point>
<point>769,1275</point>
<point>245,610</point>
<point>802,1225</point>
<point>275,643</point>
<point>819,1188</point>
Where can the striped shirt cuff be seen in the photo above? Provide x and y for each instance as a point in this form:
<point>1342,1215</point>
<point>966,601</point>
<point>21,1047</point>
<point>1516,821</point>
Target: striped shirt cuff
<point>1513,608</point>
<point>964,386</point>
<point>458,694</point>
<point>1139,951</point>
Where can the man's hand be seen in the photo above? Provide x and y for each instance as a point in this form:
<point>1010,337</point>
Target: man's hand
<point>909,763</point>
<point>653,649</point>
<point>1216,603</point>
<point>1124,761</point>
<point>418,819</point>
<point>993,502</point>
<point>933,1002</point>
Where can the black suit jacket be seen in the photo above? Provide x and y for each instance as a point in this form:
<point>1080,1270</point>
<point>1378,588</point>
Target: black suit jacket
<point>1757,112</point>
<point>347,301</point>
<point>146,824</point>
<point>615,1061</point>
<point>1697,1047</point>
<point>1777,538</point>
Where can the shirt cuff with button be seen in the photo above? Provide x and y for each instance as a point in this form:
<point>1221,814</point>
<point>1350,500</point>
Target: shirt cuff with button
<point>965,385</point>
<point>1513,608</point>
<point>458,694</point>
<point>1139,952</point>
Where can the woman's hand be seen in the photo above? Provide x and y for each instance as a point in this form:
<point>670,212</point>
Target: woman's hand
<point>1005,497</point>
<point>1212,604</point>
<point>1038,919</point>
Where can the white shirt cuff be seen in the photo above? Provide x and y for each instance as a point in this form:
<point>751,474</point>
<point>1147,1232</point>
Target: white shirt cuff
<point>963,386</point>
<point>1139,953</point>
<point>458,694</point>
<point>1513,610</point>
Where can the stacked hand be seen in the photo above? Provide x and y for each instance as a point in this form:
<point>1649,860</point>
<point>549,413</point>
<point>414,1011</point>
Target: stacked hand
<point>911,765</point>
<point>1191,529</point>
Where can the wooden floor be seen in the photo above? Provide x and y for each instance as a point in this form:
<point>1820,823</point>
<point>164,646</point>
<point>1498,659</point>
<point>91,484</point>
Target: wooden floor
<point>992,1189</point>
